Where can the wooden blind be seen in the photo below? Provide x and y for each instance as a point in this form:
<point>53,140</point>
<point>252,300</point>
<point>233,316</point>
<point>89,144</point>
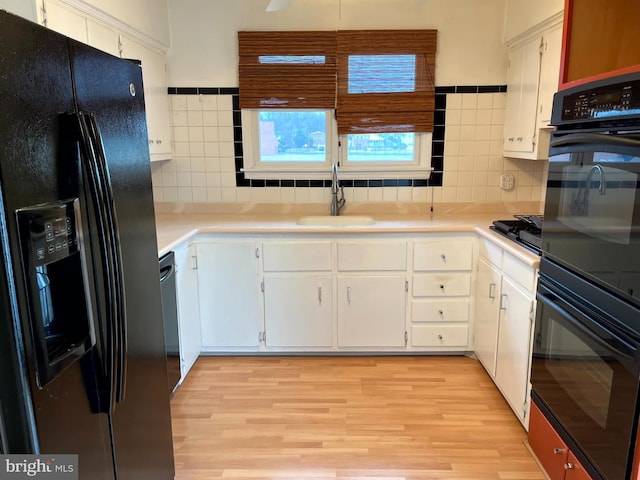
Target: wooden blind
<point>382,110</point>
<point>299,81</point>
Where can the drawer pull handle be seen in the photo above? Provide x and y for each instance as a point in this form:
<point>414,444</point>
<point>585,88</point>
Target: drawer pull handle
<point>319,294</point>
<point>349,295</point>
<point>559,451</point>
<point>257,253</point>
<point>439,337</point>
<point>492,294</point>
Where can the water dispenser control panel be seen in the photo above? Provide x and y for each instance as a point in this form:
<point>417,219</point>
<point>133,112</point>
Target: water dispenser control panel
<point>52,232</point>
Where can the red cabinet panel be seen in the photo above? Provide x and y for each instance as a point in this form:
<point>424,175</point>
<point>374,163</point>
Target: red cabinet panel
<point>599,40</point>
<point>554,455</point>
<point>547,444</point>
<point>577,472</point>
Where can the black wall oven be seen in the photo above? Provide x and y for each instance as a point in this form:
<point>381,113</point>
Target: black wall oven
<point>586,353</point>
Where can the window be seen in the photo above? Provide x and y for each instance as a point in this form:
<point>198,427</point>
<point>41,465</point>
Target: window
<point>364,99</point>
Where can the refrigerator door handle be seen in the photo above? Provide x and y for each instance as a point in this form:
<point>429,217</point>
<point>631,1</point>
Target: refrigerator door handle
<point>96,191</point>
<point>114,236</point>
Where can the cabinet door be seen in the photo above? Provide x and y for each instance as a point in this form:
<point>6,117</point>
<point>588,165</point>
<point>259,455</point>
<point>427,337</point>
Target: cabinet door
<point>549,74</point>
<point>522,99</point>
<point>371,311</point>
<point>156,99</point>
<point>64,19</point>
<point>229,295</point>
<point>551,451</point>
<point>514,341</point>
<point>103,38</point>
<point>188,308</point>
<point>487,312</point>
<point>526,138</point>
<point>514,95</point>
<point>574,469</point>
<point>297,311</point>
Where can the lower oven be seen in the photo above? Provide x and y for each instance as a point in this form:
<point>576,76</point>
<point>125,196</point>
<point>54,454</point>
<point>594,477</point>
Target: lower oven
<point>586,369</point>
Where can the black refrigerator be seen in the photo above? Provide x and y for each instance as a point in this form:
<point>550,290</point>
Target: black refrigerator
<point>82,348</point>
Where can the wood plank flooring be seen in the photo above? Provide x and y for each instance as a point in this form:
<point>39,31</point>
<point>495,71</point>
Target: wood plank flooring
<point>347,418</point>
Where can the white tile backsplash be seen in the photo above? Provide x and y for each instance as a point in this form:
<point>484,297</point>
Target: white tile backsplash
<point>204,169</point>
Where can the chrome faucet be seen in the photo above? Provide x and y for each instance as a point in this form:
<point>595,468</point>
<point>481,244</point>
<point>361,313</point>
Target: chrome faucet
<point>336,203</point>
<point>581,202</point>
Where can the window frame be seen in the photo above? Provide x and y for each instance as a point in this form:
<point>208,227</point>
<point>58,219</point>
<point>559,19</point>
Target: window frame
<point>253,168</point>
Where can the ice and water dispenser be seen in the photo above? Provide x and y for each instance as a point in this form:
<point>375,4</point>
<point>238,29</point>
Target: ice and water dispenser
<point>54,266</point>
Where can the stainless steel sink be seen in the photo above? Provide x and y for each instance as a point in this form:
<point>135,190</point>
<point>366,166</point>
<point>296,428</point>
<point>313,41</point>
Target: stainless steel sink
<point>335,221</point>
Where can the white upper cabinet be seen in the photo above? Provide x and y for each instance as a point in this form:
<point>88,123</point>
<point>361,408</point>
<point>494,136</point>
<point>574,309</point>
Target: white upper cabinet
<point>532,78</point>
<point>522,98</point>
<point>549,74</point>
<point>74,19</point>
<point>64,19</point>
<point>156,99</point>
<point>103,37</point>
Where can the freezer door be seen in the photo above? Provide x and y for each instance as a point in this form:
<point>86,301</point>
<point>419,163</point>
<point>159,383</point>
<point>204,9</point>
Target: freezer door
<point>111,90</point>
<point>39,164</point>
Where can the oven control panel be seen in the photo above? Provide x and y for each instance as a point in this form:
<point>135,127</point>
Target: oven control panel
<point>603,101</point>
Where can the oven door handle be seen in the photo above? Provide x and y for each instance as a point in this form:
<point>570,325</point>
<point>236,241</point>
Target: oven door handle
<point>597,139</point>
<point>569,313</point>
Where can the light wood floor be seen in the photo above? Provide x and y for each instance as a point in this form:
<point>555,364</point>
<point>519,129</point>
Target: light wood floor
<point>365,418</point>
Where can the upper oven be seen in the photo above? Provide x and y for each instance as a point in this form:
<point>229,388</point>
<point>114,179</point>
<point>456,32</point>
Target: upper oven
<point>592,205</point>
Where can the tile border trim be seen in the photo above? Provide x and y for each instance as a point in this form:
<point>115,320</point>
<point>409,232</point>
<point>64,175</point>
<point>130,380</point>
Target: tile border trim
<point>437,142</point>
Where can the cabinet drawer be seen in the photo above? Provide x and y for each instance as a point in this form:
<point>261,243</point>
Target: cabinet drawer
<point>439,335</point>
<point>443,255</point>
<point>441,285</point>
<point>440,311</point>
<point>520,272</point>
<point>372,256</point>
<point>296,256</point>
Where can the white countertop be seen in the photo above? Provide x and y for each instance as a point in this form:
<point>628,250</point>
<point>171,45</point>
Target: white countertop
<point>174,229</point>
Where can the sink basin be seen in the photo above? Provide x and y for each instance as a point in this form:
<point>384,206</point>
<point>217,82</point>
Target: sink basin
<point>336,221</point>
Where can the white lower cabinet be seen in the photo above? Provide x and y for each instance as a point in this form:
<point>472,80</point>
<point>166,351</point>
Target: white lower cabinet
<point>489,283</point>
<point>190,334</point>
<point>440,293</point>
<point>371,311</point>
<point>513,356</point>
<point>229,286</point>
<point>504,315</point>
<point>297,311</point>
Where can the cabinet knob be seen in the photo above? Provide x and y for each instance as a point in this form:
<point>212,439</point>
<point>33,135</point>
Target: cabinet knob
<point>519,139</point>
<point>442,286</point>
<point>511,139</point>
<point>443,257</point>
<point>440,312</point>
<point>569,466</point>
<point>158,142</point>
<point>439,337</point>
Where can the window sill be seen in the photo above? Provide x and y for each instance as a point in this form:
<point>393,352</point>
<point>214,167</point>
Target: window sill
<point>344,174</point>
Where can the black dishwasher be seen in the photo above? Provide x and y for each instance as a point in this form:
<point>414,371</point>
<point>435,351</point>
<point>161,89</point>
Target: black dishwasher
<point>170,316</point>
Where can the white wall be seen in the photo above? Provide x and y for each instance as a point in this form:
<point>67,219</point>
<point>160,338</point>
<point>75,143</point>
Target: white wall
<point>204,34</point>
<point>521,15</point>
